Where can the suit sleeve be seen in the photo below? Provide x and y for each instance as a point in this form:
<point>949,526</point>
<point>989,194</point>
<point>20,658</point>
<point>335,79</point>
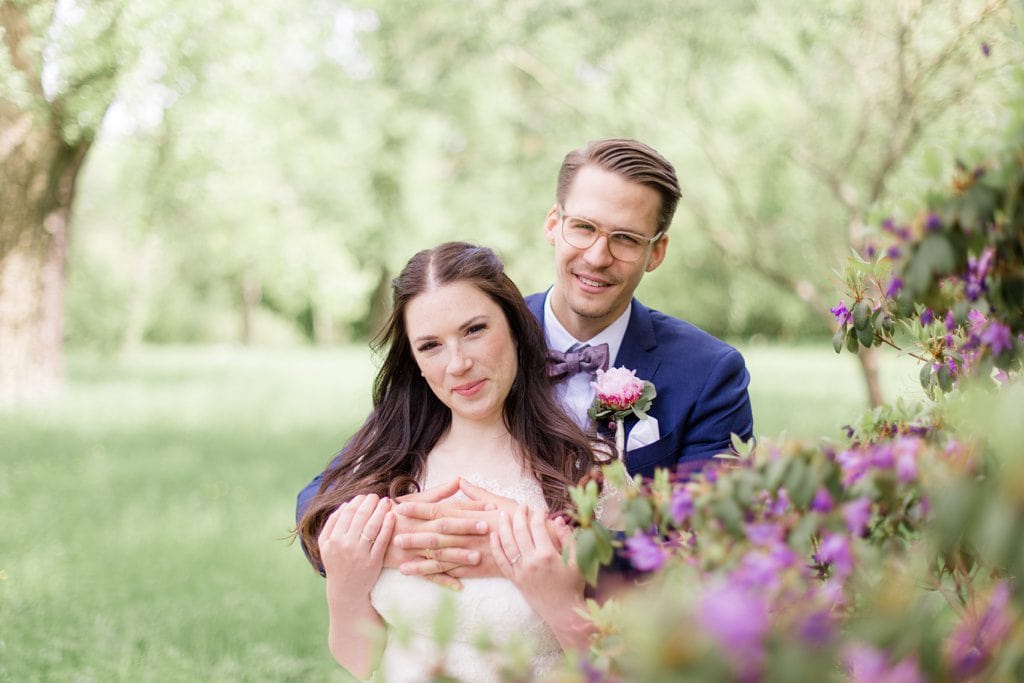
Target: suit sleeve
<point>306,495</point>
<point>722,409</point>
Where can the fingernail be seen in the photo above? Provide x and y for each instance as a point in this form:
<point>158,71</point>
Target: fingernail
<point>490,506</point>
<point>481,527</point>
<point>404,569</point>
<point>474,557</point>
<point>399,541</point>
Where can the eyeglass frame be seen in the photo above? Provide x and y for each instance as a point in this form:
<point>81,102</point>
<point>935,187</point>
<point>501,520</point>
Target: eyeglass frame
<point>608,234</point>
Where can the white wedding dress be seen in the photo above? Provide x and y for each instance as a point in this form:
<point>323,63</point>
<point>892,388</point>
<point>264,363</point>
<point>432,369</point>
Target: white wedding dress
<point>490,616</point>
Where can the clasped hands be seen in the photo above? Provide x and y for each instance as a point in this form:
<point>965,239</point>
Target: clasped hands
<point>444,540</point>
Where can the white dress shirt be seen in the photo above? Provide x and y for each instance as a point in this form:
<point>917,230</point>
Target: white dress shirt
<point>575,393</point>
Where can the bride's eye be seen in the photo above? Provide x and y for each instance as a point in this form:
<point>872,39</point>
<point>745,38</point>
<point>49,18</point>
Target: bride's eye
<point>479,327</point>
<point>426,346</point>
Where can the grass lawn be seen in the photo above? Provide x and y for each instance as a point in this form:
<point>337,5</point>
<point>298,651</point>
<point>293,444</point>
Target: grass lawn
<point>144,513</point>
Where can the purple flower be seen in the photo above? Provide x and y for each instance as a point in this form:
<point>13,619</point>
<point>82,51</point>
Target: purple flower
<point>857,514</point>
<point>681,507</point>
<point>738,619</point>
<point>817,628</point>
<point>933,222</point>
<point>986,49</point>
<point>842,315</point>
<point>949,321</point>
<point>906,459</point>
<point>765,533</point>
<point>894,287</point>
<point>927,317</point>
<point>780,505</point>
<point>893,252</point>
<point>822,501</point>
<point>834,551</point>
<point>997,337</point>
<point>644,554</point>
<point>976,318</point>
<point>888,225</point>
<point>867,664</point>
<point>870,251</point>
<point>976,639</point>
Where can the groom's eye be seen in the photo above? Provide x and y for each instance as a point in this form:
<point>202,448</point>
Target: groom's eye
<point>583,227</point>
<point>627,239</point>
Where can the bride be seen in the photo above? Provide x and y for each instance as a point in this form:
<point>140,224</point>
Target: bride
<point>462,399</point>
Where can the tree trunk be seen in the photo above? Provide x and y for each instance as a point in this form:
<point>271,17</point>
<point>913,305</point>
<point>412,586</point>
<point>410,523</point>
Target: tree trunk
<point>869,368</point>
<point>37,186</point>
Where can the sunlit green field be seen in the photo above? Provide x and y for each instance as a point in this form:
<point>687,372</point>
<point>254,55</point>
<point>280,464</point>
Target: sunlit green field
<point>145,513</point>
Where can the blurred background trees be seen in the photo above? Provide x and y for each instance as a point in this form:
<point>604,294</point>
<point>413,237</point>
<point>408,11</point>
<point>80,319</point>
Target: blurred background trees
<point>255,173</point>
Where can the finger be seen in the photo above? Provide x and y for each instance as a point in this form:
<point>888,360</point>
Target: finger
<point>457,556</point>
<point>435,494</point>
<point>507,538</point>
<point>432,511</point>
<point>376,519</point>
<point>477,493</point>
<point>429,540</point>
<point>500,558</point>
<point>521,530</point>
<point>566,539</point>
<point>348,511</point>
<point>539,533</point>
<point>328,527</point>
<point>383,537</point>
<point>444,580</point>
<point>425,567</point>
<point>363,512</point>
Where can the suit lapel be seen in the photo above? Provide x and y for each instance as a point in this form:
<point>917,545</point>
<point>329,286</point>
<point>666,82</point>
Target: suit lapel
<point>639,345</point>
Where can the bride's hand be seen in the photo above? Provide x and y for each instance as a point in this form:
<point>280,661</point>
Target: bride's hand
<point>529,555</point>
<point>353,542</point>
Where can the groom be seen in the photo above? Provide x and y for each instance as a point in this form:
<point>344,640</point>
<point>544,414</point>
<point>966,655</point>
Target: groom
<point>609,226</point>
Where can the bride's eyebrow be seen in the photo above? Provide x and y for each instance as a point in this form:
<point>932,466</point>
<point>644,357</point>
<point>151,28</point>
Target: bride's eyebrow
<point>475,320</point>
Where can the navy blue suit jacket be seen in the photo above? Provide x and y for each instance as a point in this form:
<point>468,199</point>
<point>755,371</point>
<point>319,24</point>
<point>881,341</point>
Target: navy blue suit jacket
<point>702,388</point>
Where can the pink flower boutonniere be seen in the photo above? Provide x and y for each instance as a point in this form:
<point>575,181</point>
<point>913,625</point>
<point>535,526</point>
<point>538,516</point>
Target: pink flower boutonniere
<point>620,393</point>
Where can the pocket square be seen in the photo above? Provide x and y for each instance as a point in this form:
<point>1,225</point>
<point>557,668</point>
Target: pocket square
<point>644,433</point>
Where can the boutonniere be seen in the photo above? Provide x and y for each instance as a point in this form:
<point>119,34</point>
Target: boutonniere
<point>620,393</point>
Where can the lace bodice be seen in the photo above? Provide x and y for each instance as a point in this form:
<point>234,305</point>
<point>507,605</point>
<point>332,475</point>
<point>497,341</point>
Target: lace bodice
<point>489,618</point>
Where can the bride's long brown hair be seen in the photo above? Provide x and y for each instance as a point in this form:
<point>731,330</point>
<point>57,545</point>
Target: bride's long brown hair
<point>388,454</point>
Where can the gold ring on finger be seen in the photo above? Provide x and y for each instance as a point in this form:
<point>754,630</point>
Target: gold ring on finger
<point>363,536</point>
<point>516,558</point>
<point>429,553</point>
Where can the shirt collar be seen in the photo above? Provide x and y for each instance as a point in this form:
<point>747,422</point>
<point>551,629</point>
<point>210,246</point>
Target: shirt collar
<point>560,339</point>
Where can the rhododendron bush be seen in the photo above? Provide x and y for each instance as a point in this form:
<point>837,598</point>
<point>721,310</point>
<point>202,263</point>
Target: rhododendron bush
<point>893,554</point>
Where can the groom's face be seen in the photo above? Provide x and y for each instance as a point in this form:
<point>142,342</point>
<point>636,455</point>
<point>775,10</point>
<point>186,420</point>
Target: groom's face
<point>592,288</point>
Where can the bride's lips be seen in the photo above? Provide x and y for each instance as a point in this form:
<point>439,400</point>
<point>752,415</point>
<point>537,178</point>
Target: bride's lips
<point>469,388</point>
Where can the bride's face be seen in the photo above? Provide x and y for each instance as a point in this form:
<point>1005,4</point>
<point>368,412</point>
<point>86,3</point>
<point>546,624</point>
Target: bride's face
<point>462,343</point>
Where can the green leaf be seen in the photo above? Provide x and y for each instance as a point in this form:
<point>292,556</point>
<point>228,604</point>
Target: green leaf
<point>586,554</point>
<point>933,256</point>
<point>861,314</point>
<point>925,376</point>
<point>837,339</point>
<point>444,621</point>
<point>851,340</point>
<point>866,336</point>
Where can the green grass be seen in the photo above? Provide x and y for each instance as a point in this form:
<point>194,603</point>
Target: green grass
<point>144,511</point>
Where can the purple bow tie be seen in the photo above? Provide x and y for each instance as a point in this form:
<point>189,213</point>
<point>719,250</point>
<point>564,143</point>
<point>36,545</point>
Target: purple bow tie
<point>585,359</point>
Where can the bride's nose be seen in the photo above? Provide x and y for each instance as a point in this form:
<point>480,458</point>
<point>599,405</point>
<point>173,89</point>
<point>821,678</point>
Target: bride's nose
<point>458,362</point>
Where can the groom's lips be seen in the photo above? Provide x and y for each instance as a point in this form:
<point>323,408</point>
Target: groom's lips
<point>591,284</point>
<point>469,388</point>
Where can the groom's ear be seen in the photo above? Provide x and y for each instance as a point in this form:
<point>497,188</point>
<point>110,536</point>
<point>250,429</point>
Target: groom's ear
<point>551,225</point>
<point>657,253</point>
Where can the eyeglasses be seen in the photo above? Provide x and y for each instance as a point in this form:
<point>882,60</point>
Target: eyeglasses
<point>622,244</point>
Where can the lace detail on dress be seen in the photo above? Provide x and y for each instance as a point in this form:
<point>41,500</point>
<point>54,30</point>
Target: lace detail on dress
<point>490,616</point>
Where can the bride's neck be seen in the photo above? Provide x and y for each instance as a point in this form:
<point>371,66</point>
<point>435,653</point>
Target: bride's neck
<point>466,435</point>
